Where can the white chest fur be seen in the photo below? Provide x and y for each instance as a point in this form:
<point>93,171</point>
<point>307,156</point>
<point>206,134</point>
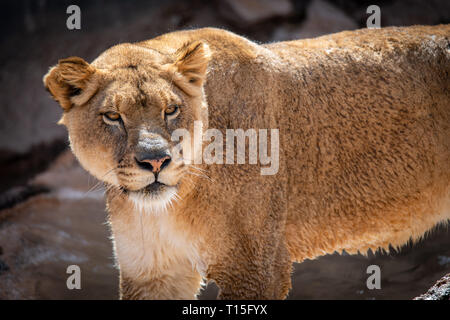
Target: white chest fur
<point>152,245</point>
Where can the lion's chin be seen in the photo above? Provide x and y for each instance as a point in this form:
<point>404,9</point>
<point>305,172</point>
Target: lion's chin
<point>154,198</point>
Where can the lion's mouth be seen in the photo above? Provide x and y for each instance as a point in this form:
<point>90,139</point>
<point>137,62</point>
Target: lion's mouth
<point>157,190</point>
<point>154,188</point>
<point>155,197</point>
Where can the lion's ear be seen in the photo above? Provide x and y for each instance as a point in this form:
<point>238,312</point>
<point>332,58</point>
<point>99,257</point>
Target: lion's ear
<point>190,66</point>
<point>70,82</point>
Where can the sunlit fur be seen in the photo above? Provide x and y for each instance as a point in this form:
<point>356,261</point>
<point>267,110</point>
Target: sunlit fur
<point>363,118</point>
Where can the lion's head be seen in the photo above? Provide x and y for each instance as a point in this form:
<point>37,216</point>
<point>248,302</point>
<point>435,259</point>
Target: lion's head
<point>121,110</point>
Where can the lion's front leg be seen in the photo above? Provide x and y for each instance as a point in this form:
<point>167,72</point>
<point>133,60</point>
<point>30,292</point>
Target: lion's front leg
<point>254,271</point>
<point>253,261</point>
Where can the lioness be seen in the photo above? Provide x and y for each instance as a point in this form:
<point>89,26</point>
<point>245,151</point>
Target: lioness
<point>364,151</point>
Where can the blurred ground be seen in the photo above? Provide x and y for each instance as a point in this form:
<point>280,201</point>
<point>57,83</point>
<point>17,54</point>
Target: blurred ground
<point>48,220</point>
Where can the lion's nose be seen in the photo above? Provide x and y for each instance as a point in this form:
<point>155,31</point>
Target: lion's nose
<point>152,162</point>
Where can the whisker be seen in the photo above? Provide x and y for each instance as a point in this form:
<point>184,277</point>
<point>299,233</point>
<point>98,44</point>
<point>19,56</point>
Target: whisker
<point>199,175</point>
<point>142,232</point>
<point>197,168</point>
<point>99,182</point>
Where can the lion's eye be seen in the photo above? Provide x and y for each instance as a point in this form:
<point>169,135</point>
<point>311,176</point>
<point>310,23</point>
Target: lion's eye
<point>111,116</point>
<point>171,111</point>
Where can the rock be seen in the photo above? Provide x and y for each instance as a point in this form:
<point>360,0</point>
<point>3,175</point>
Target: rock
<point>19,194</point>
<point>440,291</point>
<point>416,12</point>
<point>3,267</point>
<point>400,12</point>
<point>321,18</point>
<point>243,13</point>
<point>17,168</point>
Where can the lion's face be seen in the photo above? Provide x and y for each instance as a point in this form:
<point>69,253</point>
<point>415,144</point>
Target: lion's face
<point>122,110</point>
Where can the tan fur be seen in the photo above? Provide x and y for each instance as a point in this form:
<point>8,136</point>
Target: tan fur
<point>364,139</point>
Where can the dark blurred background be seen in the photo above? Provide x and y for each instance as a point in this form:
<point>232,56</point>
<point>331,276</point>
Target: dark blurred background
<point>52,213</point>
